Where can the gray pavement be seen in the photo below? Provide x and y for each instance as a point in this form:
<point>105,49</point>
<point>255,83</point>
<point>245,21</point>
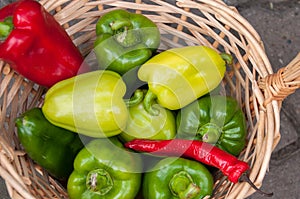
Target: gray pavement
<point>277,22</point>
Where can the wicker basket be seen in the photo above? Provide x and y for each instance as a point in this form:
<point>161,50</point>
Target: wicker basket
<point>184,22</point>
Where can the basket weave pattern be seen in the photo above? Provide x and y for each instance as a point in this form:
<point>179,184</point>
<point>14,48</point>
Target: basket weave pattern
<point>181,23</point>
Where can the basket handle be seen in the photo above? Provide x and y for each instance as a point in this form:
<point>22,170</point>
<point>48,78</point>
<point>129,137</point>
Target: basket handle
<point>283,83</point>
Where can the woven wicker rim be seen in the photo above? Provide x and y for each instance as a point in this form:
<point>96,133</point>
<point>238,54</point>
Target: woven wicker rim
<point>184,22</point>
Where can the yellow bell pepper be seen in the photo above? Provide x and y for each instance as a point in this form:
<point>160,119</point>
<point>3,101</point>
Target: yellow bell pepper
<point>178,76</point>
<point>90,104</point>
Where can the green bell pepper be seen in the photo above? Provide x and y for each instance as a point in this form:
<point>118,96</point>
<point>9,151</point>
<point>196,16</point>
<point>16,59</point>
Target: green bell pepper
<point>90,104</point>
<point>125,40</point>
<point>177,77</point>
<point>142,124</point>
<point>218,120</point>
<point>51,147</point>
<point>104,169</point>
<point>175,177</point>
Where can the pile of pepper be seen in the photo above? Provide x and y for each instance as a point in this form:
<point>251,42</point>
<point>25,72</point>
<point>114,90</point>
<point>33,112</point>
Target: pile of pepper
<point>93,125</point>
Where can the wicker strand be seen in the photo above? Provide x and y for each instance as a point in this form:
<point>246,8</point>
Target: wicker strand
<point>283,83</point>
<point>12,178</point>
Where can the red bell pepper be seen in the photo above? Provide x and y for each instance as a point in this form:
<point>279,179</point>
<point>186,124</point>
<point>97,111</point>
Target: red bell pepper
<point>36,45</point>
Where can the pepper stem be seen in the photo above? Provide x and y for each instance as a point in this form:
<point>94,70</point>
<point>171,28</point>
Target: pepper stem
<point>99,181</point>
<point>124,34</point>
<point>210,133</point>
<point>137,97</point>
<point>148,102</point>
<point>182,186</point>
<point>245,178</point>
<point>227,58</point>
<point>6,27</point>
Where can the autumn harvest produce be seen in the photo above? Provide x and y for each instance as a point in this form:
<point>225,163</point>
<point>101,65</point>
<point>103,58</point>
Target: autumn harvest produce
<point>94,132</point>
<point>90,104</point>
<point>125,40</point>
<point>105,169</point>
<point>142,124</point>
<point>178,76</point>
<point>201,151</point>
<point>229,165</point>
<point>51,147</point>
<point>36,46</point>
<point>174,177</point>
<point>215,119</point>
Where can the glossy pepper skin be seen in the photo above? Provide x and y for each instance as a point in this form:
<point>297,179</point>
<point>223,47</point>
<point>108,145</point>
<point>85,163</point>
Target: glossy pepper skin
<point>90,104</point>
<point>236,170</point>
<point>200,151</point>
<point>175,177</point>
<point>125,40</point>
<point>178,76</point>
<point>215,119</point>
<point>142,124</point>
<point>51,147</point>
<point>104,169</point>
<point>36,46</point>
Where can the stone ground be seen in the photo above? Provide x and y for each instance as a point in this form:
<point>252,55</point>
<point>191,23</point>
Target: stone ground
<point>277,22</point>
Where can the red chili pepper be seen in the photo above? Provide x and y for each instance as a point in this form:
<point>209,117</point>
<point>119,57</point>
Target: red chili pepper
<point>35,45</point>
<point>203,152</point>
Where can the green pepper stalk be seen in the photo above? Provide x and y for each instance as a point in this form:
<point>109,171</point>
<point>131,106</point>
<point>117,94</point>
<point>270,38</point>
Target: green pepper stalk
<point>125,40</point>
<point>215,119</point>
<point>179,178</point>
<point>137,97</point>
<point>105,169</point>
<point>6,27</point>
